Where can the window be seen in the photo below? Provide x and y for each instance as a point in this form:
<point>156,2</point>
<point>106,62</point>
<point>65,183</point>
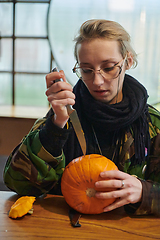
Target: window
<point>25,53</point>
<point>34,31</point>
<point>139,17</point>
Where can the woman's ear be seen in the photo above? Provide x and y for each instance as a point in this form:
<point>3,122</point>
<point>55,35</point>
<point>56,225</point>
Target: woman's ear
<point>129,60</point>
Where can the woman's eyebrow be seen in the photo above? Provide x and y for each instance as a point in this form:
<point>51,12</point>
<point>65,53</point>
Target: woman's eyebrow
<point>111,60</point>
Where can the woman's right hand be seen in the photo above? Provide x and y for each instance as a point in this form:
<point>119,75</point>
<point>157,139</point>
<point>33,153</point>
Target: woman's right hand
<point>59,95</point>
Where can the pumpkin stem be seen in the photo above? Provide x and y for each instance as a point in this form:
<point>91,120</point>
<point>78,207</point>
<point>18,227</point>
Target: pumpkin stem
<point>90,192</point>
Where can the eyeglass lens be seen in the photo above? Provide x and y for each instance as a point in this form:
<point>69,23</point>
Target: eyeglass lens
<point>108,73</point>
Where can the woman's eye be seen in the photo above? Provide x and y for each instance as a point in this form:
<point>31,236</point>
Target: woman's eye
<point>108,69</point>
<point>87,70</point>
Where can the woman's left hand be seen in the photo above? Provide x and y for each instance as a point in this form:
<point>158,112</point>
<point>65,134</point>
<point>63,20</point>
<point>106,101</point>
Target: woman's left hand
<point>127,188</point>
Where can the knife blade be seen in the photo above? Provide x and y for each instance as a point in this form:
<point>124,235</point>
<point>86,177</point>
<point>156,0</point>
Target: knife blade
<point>74,217</point>
<point>75,122</point>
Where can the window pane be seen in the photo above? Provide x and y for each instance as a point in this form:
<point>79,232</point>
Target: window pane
<point>143,24</point>
<point>31,19</point>
<point>6,55</point>
<point>32,55</point>
<point>33,0</point>
<point>30,90</point>
<point>5,89</point>
<point>6,18</point>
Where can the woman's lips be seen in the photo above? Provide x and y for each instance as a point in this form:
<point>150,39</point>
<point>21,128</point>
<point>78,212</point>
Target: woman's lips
<point>101,92</point>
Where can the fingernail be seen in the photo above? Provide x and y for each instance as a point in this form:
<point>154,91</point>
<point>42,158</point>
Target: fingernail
<point>102,174</point>
<point>105,209</point>
<point>97,195</point>
<point>96,184</point>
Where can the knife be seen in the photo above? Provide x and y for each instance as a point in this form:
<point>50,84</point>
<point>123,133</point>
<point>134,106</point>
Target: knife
<point>74,217</point>
<point>75,122</point>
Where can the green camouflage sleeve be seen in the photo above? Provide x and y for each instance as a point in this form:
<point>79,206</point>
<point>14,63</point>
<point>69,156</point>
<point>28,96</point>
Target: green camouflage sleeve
<point>150,203</point>
<point>30,169</point>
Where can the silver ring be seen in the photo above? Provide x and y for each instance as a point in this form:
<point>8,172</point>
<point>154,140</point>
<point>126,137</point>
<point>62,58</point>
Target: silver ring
<point>122,184</point>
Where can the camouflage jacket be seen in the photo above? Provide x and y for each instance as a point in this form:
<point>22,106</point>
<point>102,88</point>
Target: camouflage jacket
<point>32,170</point>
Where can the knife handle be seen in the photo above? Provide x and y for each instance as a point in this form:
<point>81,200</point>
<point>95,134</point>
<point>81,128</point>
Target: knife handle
<point>69,107</point>
<point>56,80</point>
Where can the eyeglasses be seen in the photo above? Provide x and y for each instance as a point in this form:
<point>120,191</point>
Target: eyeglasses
<point>108,73</point>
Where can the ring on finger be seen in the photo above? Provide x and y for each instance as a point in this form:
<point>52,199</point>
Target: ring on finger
<point>122,183</point>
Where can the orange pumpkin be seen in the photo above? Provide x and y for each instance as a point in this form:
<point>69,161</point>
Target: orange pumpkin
<point>78,183</point>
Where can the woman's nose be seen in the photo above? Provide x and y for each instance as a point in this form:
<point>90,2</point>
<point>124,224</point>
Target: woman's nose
<point>98,79</point>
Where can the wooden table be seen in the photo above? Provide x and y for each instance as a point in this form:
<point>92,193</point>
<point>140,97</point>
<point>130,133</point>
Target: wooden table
<point>50,221</point>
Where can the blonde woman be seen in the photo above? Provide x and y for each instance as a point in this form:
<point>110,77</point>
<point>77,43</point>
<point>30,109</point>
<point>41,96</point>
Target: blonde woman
<point>116,119</point>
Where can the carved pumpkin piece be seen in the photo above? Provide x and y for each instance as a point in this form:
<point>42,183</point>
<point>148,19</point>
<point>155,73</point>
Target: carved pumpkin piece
<point>21,207</point>
<point>78,183</point>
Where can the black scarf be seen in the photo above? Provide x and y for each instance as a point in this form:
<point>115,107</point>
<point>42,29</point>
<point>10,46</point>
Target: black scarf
<point>130,113</point>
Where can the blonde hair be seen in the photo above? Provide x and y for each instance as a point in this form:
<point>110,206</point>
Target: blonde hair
<point>105,29</point>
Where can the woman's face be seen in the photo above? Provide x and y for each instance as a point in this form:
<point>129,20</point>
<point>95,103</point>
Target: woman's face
<point>97,54</point>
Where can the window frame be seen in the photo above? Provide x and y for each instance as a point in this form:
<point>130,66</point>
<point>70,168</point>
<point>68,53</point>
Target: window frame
<point>13,38</point>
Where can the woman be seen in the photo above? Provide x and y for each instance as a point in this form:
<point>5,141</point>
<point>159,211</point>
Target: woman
<point>116,120</point>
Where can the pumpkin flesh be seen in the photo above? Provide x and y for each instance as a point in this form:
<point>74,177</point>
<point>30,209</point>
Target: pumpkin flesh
<point>21,207</point>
